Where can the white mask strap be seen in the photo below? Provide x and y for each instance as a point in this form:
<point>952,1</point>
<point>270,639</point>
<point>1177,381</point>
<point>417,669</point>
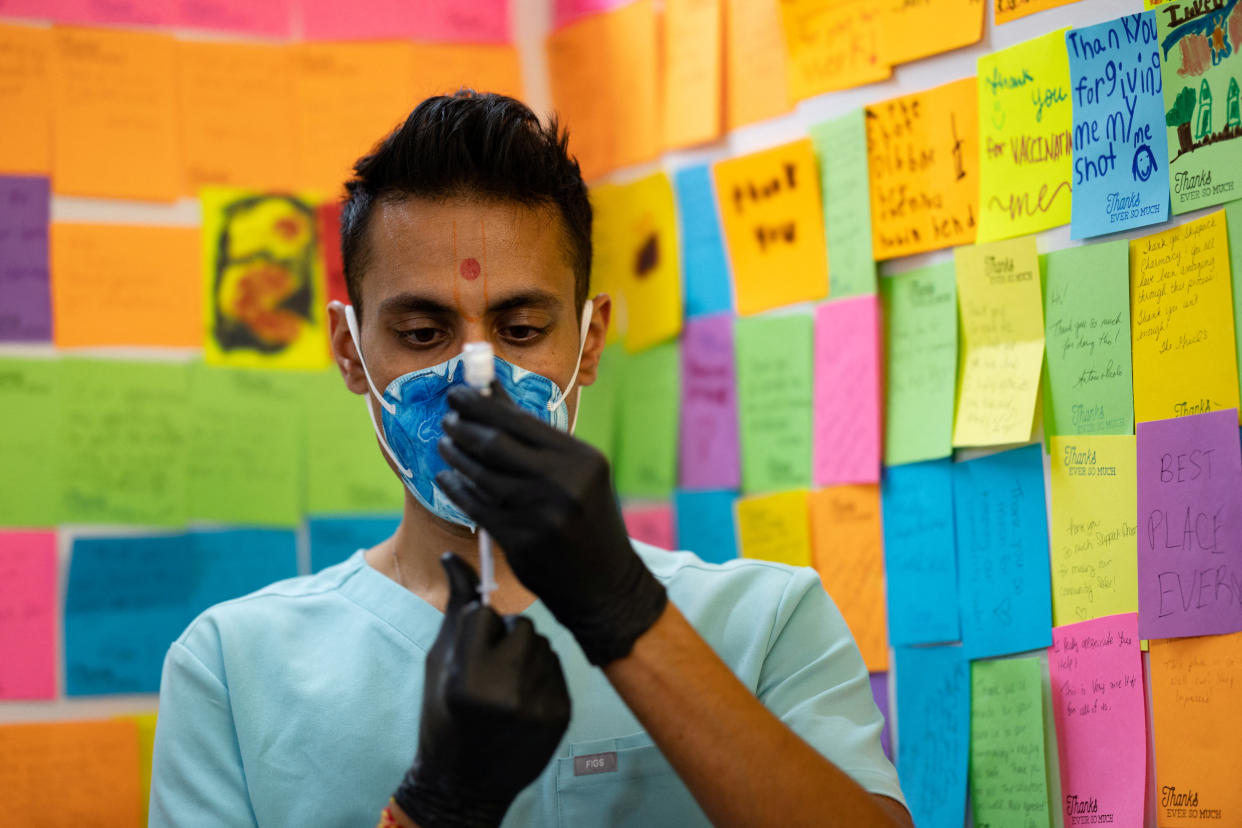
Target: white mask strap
<point>351,320</point>
<point>587,310</point>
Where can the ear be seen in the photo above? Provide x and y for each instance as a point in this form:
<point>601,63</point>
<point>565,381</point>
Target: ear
<point>597,333</point>
<point>344,349</point>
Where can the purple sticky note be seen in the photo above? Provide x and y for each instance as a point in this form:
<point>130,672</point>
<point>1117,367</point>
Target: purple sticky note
<point>879,689</point>
<point>1190,526</point>
<point>709,441</point>
<point>25,299</point>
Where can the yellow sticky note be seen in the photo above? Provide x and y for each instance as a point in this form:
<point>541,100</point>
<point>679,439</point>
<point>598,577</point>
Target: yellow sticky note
<point>1001,318</point>
<point>691,43</point>
<point>263,283</point>
<point>146,746</point>
<point>917,30</point>
<point>1007,10</point>
<point>755,83</point>
<point>833,44</point>
<point>775,527</point>
<point>773,226</point>
<point>1025,138</point>
<point>25,99</point>
<point>1094,541</point>
<point>1181,321</point>
<point>847,542</point>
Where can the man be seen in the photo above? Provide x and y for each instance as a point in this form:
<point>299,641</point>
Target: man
<point>731,693</point>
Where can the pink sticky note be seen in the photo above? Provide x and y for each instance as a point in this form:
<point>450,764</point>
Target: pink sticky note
<point>125,12</point>
<point>461,21</point>
<point>847,391</point>
<point>709,441</point>
<point>270,17</point>
<point>1097,699</point>
<point>27,615</point>
<point>651,524</point>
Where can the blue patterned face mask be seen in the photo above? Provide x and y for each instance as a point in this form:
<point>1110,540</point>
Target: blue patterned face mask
<point>413,405</point>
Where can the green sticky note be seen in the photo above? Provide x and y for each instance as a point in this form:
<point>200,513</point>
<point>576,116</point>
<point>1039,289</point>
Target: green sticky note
<point>647,406</point>
<point>125,434</point>
<point>1008,785</point>
<point>774,391</point>
<point>30,400</point>
<point>346,470</point>
<point>1089,388</point>
<point>597,404</point>
<point>1233,222</point>
<point>841,147</point>
<point>245,448</point>
<point>920,343</point>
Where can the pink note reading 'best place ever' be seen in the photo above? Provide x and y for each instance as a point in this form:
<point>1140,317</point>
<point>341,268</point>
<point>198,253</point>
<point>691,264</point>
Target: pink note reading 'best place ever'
<point>709,440</point>
<point>27,615</point>
<point>847,392</point>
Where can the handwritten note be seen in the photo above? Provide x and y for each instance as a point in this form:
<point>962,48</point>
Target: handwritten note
<point>918,30</point>
<point>920,371</point>
<point>1190,526</point>
<point>25,303</point>
<point>933,709</point>
<point>27,615</point>
<point>1008,10</point>
<point>706,525</point>
<point>691,78</point>
<point>847,549</point>
<point>770,208</point>
<point>923,159</point>
<point>1233,215</point>
<point>832,44</point>
<point>841,147</point>
<point>920,553</point>
<point>847,392</point>
<point>651,524</point>
<point>598,405</point>
<point>333,539</point>
<point>1002,552</point>
<point>775,527</point>
<point>755,84</point>
<point>705,270</point>
<point>1181,329</point>
<point>1025,138</point>
<point>30,399</point>
<point>477,21</point>
<point>444,68</point>
<point>1086,323</point>
<point>25,64</point>
<point>1097,691</point>
<point>1002,351</point>
<point>646,464</point>
<point>774,387</point>
<point>1196,691</point>
<point>708,444</point>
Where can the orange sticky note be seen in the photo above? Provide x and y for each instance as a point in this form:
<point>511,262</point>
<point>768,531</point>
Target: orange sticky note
<point>70,773</point>
<point>120,284</point>
<point>444,68</point>
<point>774,527</point>
<point>923,161</point>
<point>692,72</point>
<point>1007,10</point>
<point>774,226</point>
<point>26,100</point>
<point>237,115</point>
<point>833,44</point>
<point>115,132</point>
<point>847,549</point>
<point>756,84</point>
<point>918,30</point>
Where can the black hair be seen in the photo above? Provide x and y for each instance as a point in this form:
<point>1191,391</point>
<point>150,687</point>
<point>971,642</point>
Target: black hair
<point>475,145</point>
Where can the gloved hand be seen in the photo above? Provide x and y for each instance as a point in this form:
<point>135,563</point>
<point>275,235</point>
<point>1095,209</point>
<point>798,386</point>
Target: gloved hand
<point>495,706</point>
<point>547,499</point>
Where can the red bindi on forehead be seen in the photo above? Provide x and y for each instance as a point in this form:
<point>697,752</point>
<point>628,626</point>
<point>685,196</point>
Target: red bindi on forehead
<point>470,269</point>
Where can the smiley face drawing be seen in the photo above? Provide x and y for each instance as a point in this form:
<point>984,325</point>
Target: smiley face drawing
<point>1144,163</point>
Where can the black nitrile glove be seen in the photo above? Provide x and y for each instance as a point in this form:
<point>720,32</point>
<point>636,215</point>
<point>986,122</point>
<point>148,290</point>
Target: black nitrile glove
<point>547,499</point>
<point>495,706</point>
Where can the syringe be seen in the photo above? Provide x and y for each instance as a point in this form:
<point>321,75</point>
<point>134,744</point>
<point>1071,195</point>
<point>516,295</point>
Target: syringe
<point>479,365</point>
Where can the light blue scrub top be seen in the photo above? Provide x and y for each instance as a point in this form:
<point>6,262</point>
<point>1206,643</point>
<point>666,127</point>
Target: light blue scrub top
<point>299,704</point>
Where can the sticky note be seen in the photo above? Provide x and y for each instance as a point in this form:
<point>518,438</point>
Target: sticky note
<point>1233,215</point>
<point>1007,784</point>
<point>333,539</point>
<point>1025,138</point>
<point>770,209</point>
<point>920,371</point>
<point>1094,540</point>
<point>25,299</point>
<point>920,553</point>
<point>565,12</point>
<point>646,462</point>
<point>26,99</point>
<point>708,442</point>
<point>1196,690</point>
<point>1009,10</point>
<point>118,284</point>
<point>1119,139</point>
<point>847,391</point>
<point>651,524</point>
<point>121,448</point>
<point>705,271</point>
<point>1182,326</point>
<point>1002,349</point>
<point>27,615</point>
<point>705,523</point>
<point>1096,670</point>
<point>923,161</point>
<point>847,549</point>
<point>1002,552</point>
<point>1190,526</point>
<point>917,30</point>
<point>30,399</point>
<point>879,691</point>
<point>145,723</point>
<point>115,99</point>
<point>444,68</point>
<point>476,21</point>
<point>775,527</point>
<point>1200,65</point>
<point>1086,327</point>
<point>832,44</point>
<point>775,391</point>
<point>262,281</point>
<point>598,403</point>
<point>933,711</point>
<point>755,85</point>
<point>691,94</point>
<point>273,19</point>
<point>135,13</point>
<point>841,147</point>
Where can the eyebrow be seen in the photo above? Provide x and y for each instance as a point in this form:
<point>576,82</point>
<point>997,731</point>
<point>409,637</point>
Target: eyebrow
<point>417,303</point>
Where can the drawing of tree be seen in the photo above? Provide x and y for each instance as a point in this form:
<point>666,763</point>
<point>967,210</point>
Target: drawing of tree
<point>1179,116</point>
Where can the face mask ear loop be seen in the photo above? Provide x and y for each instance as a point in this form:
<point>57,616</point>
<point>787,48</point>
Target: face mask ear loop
<point>587,310</point>
<point>352,322</point>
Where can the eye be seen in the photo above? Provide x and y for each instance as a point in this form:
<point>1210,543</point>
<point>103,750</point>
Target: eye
<point>422,337</point>
<point>522,334</point>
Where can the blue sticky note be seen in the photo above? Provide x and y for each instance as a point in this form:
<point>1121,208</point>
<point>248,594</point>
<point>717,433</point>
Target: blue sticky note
<point>129,598</point>
<point>705,523</point>
<point>1121,175</point>
<point>1002,552</point>
<point>332,540</point>
<point>933,745</point>
<point>705,272</point>
<point>920,553</point>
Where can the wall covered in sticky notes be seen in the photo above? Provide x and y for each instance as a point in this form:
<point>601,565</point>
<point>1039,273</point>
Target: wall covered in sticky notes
<point>923,296</point>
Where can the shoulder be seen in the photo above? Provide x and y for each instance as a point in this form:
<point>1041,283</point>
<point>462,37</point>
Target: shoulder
<point>683,571</point>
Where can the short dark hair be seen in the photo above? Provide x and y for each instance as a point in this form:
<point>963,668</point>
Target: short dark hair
<point>476,145</point>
